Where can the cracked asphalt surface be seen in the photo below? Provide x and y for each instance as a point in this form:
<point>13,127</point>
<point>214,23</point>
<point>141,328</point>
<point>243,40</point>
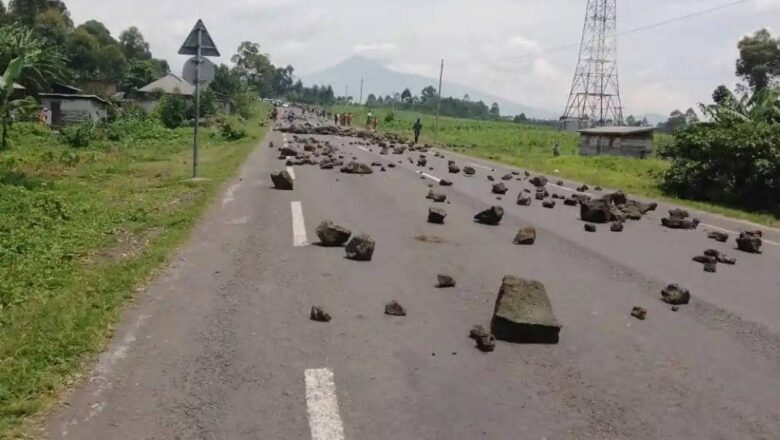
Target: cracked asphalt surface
<point>217,346</point>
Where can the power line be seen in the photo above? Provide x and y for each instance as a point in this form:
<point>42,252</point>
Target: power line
<point>626,32</point>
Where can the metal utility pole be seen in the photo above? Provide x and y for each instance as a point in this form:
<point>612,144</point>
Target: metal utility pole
<point>594,98</point>
<point>197,106</point>
<point>361,91</point>
<point>346,93</point>
<point>438,106</point>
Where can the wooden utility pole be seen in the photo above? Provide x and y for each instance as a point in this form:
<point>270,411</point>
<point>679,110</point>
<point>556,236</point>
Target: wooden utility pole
<point>438,106</point>
<point>361,91</point>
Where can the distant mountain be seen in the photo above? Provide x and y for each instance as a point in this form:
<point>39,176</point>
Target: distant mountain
<point>382,81</point>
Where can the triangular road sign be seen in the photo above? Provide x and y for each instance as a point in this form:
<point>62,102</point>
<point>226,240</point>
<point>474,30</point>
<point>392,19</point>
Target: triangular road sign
<point>207,46</point>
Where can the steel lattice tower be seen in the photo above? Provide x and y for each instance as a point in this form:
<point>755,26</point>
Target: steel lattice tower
<point>594,99</point>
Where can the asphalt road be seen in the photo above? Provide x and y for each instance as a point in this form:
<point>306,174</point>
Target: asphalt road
<point>220,346</point>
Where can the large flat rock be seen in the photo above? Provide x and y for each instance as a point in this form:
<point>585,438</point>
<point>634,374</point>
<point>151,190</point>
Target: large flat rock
<point>523,313</point>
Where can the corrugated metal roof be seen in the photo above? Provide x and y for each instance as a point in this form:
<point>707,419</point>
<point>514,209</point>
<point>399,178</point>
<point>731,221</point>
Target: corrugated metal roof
<point>170,84</point>
<point>617,130</point>
<point>72,96</point>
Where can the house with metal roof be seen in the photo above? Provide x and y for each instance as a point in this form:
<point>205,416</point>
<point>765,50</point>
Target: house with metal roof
<point>170,84</point>
<point>69,108</point>
<point>617,141</point>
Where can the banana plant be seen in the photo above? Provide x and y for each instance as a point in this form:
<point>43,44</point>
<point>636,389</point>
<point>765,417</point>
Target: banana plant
<point>7,81</point>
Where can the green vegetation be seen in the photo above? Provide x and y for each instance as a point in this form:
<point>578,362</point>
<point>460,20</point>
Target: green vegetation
<point>81,229</point>
<point>530,146</point>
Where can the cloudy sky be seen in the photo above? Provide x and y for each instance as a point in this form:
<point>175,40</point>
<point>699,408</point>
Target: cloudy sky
<point>672,66</point>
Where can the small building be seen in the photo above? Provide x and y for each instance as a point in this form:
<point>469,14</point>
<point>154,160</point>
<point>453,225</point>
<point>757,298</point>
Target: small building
<point>74,108</point>
<point>617,141</point>
<point>149,95</point>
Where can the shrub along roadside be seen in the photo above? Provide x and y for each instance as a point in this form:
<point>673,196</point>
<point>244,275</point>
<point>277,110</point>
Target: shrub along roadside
<point>79,231</point>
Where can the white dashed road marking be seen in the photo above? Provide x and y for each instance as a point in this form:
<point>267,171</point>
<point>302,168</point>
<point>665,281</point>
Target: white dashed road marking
<point>363,148</point>
<point>291,172</point>
<point>434,178</point>
<point>322,404</point>
<point>479,166</point>
<point>298,224</point>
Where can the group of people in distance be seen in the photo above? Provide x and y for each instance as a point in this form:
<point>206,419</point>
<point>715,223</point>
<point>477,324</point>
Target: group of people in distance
<point>343,119</point>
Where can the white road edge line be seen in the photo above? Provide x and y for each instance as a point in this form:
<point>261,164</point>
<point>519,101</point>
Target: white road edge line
<point>480,166</point>
<point>322,404</point>
<point>298,224</point>
<point>434,178</point>
<point>363,148</point>
<point>707,225</point>
<point>291,172</point>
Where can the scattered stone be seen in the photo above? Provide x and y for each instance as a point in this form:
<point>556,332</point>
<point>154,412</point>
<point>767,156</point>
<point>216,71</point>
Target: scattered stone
<point>393,308</point>
<point>491,216</point>
<point>360,248</point>
<point>376,164</point>
<point>491,178</point>
<point>616,198</point>
<point>356,168</point>
<point>675,222</point>
<point>598,188</point>
<point>391,165</point>
<point>559,183</point>
<point>422,162</point>
<point>719,236</point>
<point>430,239</point>
<point>599,211</point>
<point>444,182</point>
<point>319,315</point>
<point>523,313</point>
<point>436,215</point>
<point>445,281</point>
<point>478,331</point>
<point>500,188</point>
<point>675,308</point>
<point>590,227</point>
<point>506,177</point>
<point>287,151</point>
<point>675,295</point>
<point>437,197</point>
<point>523,199</point>
<point>550,204</point>
<point>710,267</point>
<point>282,180</point>
<point>570,202</point>
<point>539,181</point>
<point>486,343</point>
<point>454,169</point>
<point>750,241</point>
<point>383,169</point>
<point>639,313</point>
<point>469,171</point>
<point>331,234</point>
<point>515,173</point>
<point>616,227</point>
<point>526,236</point>
<point>582,188</point>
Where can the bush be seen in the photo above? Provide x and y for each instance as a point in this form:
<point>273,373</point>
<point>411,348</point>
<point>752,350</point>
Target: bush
<point>79,136</point>
<point>390,117</point>
<point>244,103</point>
<point>738,164</point>
<point>232,128</point>
<point>172,110</point>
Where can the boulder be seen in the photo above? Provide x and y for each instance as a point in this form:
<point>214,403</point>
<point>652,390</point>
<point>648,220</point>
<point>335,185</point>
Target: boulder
<point>393,308</point>
<point>319,315</point>
<point>523,313</point>
<point>559,183</point>
<point>436,215</point>
<point>523,199</point>
<point>616,198</point>
<point>360,248</point>
<point>526,236</point>
<point>571,202</point>
<point>506,177</point>
<point>599,211</point>
<point>478,331</point>
<point>445,281</point>
<point>680,222</point>
<point>750,241</point>
<point>356,168</point>
<point>539,181</point>
<point>499,188</point>
<point>491,178</point>
<point>639,313</point>
<point>282,180</point>
<point>616,227</point>
<point>331,234</point>
<point>486,343</point>
<point>582,188</point>
<point>287,151</point>
<point>632,212</point>
<point>675,295</point>
<point>710,267</point>
<point>590,227</point>
<point>444,182</point>
<point>549,204</point>
<point>681,213</point>
<point>491,216</point>
<point>454,169</point>
<point>541,193</point>
<point>469,171</point>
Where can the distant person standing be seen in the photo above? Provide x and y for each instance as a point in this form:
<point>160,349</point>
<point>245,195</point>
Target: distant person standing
<point>374,122</point>
<point>417,129</point>
<point>557,150</point>
<point>336,119</point>
<point>369,118</point>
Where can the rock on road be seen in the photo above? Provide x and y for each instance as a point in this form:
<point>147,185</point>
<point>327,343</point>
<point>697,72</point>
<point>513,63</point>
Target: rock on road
<point>221,346</point>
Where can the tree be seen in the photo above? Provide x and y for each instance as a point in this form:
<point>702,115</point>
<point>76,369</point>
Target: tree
<point>29,60</point>
<point>631,120</point>
<point>466,97</point>
<point>495,111</point>
<point>139,73</point>
<point>172,110</point>
<point>371,101</point>
<point>722,95</point>
<point>25,11</point>
<point>254,68</point>
<point>428,95</point>
<point>691,117</point>
<point>406,95</point>
<point>53,25</point>
<point>226,83</point>
<point>133,44</point>
<point>759,59</point>
<point>282,80</point>
<point>521,118</point>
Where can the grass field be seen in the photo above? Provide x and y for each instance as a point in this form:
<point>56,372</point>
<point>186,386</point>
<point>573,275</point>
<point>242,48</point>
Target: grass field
<point>530,146</point>
<point>80,230</point>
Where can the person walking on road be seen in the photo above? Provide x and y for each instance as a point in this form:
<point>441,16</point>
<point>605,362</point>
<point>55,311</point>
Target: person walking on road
<point>417,129</point>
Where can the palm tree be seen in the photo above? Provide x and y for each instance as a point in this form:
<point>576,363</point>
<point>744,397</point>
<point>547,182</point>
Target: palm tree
<point>762,106</point>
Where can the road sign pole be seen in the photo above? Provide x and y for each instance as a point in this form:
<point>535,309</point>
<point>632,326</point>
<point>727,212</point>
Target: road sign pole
<point>197,107</point>
<point>438,106</point>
